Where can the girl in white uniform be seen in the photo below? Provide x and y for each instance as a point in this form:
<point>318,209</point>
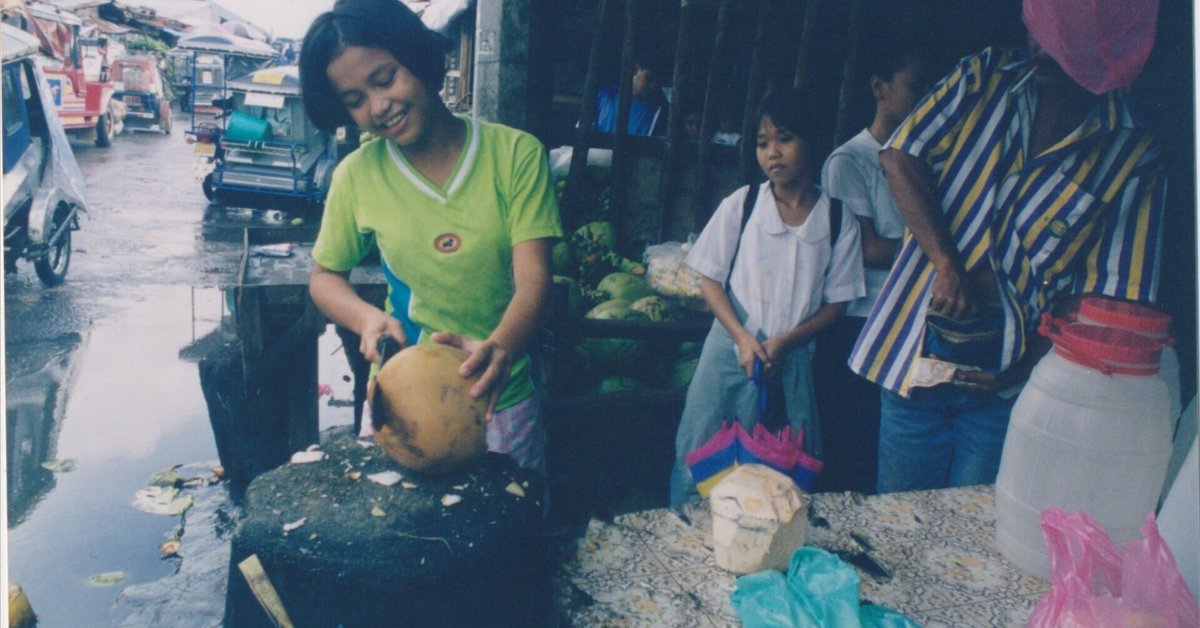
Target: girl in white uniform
<point>772,287</point>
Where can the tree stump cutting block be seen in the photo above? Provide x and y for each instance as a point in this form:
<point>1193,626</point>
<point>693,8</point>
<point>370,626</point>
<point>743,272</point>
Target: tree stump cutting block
<point>427,550</point>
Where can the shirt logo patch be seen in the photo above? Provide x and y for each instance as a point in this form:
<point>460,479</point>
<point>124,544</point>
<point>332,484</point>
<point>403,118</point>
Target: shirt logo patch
<point>447,243</point>
<point>1058,227</point>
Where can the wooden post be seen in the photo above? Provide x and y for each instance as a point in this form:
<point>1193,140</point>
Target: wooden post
<point>850,74</point>
<point>303,408</point>
<point>587,118</point>
<point>806,38</point>
<point>622,161</point>
<point>747,163</point>
<point>681,85</point>
<point>701,192</point>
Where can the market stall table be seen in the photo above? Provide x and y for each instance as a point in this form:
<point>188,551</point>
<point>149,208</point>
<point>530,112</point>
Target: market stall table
<point>262,390</point>
<point>656,566</point>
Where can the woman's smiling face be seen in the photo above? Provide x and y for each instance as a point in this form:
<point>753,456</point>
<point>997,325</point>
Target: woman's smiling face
<point>380,94</point>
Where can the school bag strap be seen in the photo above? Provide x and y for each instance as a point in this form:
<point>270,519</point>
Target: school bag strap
<point>747,208</point>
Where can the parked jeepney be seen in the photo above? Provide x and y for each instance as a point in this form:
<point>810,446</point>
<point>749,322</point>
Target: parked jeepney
<point>210,58</point>
<point>43,187</point>
<point>268,146</point>
<point>140,86</point>
<point>82,92</point>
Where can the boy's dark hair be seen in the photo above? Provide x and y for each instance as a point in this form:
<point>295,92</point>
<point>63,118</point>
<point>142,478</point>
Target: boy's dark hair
<point>382,24</point>
<point>886,55</point>
<point>793,111</point>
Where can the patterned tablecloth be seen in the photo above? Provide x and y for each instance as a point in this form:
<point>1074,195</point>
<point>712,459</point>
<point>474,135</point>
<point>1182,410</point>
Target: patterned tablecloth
<point>656,567</point>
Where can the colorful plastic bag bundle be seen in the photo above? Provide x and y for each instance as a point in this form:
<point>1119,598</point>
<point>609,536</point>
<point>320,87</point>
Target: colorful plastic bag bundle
<point>1095,584</point>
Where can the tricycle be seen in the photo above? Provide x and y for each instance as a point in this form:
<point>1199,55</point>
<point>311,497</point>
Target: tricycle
<point>43,187</point>
<point>210,58</point>
<point>267,146</point>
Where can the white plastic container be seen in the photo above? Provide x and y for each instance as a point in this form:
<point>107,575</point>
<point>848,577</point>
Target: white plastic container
<point>1090,431</point>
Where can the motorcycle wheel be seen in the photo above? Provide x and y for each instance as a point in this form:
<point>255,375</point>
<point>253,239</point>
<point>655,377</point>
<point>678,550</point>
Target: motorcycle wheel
<point>207,186</point>
<point>104,130</point>
<point>52,269</point>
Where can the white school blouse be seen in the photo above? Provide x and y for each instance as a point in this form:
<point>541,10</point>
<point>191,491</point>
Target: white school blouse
<point>782,276</point>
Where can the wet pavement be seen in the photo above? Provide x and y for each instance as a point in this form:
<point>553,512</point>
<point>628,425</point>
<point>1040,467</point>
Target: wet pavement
<point>102,371</point>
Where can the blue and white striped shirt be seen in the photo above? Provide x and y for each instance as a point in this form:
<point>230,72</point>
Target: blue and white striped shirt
<point>1085,216</point>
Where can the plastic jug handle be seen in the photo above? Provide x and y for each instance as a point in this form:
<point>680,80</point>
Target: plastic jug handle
<point>1051,327</point>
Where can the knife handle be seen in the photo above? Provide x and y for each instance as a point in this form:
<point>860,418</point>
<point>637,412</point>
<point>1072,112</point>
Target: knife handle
<point>387,346</point>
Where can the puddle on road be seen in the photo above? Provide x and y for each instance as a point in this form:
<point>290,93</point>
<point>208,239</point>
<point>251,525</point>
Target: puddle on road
<point>123,401</point>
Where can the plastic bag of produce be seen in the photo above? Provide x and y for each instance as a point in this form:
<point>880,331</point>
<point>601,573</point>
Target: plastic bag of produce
<point>667,273</point>
<point>1093,582</point>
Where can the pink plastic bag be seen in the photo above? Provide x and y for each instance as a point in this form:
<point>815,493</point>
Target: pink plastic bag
<point>1101,44</point>
<point>1094,584</point>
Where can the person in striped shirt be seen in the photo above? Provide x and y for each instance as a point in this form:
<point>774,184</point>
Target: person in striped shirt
<point>900,72</point>
<point>1021,190</point>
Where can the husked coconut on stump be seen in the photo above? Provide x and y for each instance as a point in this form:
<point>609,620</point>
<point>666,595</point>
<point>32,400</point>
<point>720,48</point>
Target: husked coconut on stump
<point>422,410</point>
<point>758,519</point>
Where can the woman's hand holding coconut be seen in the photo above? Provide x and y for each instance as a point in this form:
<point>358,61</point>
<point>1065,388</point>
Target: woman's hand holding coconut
<point>488,359</point>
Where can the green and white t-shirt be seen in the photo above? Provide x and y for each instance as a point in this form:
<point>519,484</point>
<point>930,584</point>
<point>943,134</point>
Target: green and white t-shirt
<point>446,251</point>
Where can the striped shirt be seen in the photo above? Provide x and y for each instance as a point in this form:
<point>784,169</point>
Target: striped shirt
<point>1085,216</point>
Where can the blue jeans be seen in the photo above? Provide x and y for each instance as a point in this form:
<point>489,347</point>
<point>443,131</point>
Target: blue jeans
<point>940,437</point>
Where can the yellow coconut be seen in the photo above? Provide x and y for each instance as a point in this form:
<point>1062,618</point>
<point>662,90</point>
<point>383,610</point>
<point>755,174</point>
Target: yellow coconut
<point>429,420</point>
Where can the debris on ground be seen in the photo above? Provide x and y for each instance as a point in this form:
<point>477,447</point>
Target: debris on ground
<point>165,479</point>
<point>303,457</point>
<point>386,478</point>
<point>170,548</point>
<point>106,579</point>
<point>59,466</point>
<point>20,612</point>
<point>159,500</point>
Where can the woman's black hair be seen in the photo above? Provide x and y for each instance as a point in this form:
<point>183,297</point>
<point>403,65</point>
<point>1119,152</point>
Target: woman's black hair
<point>382,24</point>
<point>791,110</point>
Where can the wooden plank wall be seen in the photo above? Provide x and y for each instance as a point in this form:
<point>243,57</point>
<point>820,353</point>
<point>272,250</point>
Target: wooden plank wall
<point>666,188</point>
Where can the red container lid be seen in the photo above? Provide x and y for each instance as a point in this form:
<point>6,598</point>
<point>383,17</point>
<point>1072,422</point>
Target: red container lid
<point>1108,349</point>
<point>1125,315</point>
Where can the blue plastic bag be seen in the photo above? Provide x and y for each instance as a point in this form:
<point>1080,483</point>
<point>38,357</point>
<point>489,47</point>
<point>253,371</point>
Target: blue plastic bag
<point>819,590</point>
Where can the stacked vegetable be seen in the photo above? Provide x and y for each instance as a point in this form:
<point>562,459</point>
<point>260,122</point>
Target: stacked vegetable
<point>601,284</point>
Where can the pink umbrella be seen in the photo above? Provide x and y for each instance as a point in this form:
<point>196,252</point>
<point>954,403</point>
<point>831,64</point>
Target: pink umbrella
<point>775,446</point>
